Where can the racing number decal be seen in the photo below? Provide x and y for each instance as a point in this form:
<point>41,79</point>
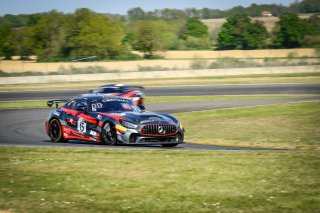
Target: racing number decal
<point>82,125</point>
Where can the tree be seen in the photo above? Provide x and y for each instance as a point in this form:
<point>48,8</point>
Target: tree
<point>290,31</point>
<point>172,14</point>
<point>136,13</point>
<point>7,43</point>
<point>313,37</point>
<point>314,21</point>
<point>205,13</point>
<point>149,37</point>
<point>195,28</point>
<point>48,37</point>
<point>239,32</point>
<point>306,6</point>
<point>92,34</point>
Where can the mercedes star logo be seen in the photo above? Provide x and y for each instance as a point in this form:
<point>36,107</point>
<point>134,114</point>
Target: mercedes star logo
<point>161,130</point>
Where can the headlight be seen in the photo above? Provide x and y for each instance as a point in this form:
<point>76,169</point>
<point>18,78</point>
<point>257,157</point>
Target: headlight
<point>129,125</point>
<point>180,126</point>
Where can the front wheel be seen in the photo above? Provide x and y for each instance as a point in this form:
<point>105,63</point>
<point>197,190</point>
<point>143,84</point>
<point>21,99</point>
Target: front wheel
<point>109,134</point>
<point>55,131</point>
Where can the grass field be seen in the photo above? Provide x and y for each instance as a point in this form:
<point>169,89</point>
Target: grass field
<point>26,104</point>
<point>236,79</point>
<point>291,126</point>
<point>91,180</point>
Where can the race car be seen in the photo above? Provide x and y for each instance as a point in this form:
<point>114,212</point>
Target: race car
<point>133,93</point>
<point>111,120</point>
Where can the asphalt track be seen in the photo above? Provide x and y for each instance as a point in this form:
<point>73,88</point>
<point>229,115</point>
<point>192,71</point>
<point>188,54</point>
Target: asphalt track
<point>248,89</point>
<point>26,127</point>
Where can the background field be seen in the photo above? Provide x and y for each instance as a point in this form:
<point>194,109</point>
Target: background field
<point>172,60</point>
<point>214,25</point>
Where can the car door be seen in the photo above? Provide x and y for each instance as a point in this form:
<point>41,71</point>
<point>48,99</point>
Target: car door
<point>74,119</point>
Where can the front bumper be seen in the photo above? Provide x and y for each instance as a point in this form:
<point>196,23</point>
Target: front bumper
<point>132,136</point>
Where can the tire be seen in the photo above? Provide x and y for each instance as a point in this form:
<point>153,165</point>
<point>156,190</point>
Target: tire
<point>109,134</point>
<point>55,131</point>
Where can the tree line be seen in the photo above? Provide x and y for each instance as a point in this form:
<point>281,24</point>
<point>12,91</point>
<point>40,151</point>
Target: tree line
<point>241,32</point>
<point>55,36</point>
<point>254,10</point>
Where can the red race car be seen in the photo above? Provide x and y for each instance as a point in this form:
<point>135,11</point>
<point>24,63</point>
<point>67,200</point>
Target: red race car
<point>134,93</point>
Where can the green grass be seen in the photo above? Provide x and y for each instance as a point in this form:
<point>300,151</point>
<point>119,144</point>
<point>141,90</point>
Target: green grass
<point>25,104</point>
<point>235,79</point>
<point>172,99</point>
<point>293,126</point>
<point>91,180</point>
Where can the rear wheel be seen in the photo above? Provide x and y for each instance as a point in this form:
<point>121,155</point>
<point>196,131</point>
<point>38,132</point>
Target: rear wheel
<point>109,134</point>
<point>55,131</point>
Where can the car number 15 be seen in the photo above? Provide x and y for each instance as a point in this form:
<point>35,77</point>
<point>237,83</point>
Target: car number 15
<point>82,125</point>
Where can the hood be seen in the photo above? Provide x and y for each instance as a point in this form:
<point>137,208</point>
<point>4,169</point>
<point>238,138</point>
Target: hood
<point>149,118</point>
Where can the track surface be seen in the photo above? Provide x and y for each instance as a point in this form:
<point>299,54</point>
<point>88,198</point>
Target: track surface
<point>179,91</point>
<point>26,127</point>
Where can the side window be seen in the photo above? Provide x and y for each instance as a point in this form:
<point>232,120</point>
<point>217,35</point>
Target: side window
<point>71,104</point>
<point>125,90</point>
<point>109,90</point>
<point>100,90</point>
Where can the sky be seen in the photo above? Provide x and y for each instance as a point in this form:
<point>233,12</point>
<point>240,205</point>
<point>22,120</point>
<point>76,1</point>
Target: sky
<point>120,6</point>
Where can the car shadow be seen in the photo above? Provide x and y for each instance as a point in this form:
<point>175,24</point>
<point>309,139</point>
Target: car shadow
<point>89,143</point>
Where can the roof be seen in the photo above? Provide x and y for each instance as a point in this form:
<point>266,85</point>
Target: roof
<point>115,85</point>
<point>121,85</point>
<point>100,97</point>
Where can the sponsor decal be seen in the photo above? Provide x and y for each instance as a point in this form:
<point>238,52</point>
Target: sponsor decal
<point>152,119</point>
<point>99,117</point>
<point>119,114</point>
<point>117,100</point>
<point>71,121</point>
<point>56,113</point>
<point>93,133</point>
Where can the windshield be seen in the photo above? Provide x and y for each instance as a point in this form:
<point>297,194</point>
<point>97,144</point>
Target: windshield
<point>114,105</point>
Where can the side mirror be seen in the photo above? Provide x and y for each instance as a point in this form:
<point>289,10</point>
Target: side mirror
<point>142,107</point>
<point>81,107</point>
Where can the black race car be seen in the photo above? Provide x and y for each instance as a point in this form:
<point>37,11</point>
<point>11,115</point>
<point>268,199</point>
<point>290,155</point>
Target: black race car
<point>111,120</point>
<point>134,93</point>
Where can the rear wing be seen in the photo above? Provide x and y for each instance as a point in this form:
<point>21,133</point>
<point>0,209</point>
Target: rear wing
<point>136,88</point>
<point>56,102</point>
